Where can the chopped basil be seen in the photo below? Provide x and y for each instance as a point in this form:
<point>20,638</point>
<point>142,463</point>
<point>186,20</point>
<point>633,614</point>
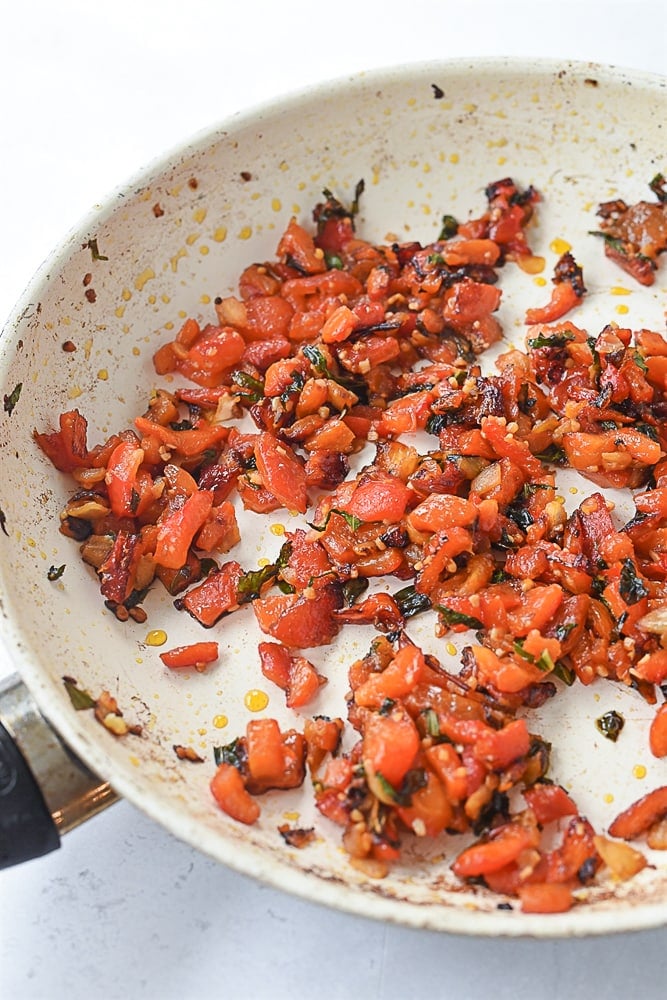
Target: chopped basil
<point>254,387</point>
<point>334,209</point>
<point>389,792</point>
<point>561,632</point>
<point>648,431</point>
<point>554,455</point>
<point>351,520</point>
<point>80,699</point>
<point>620,247</point>
<point>517,645</point>
<point>555,340</point>
<point>564,673</point>
<point>437,422</point>
<point>410,602</point>
<point>251,583</point>
<point>451,617</point>
<point>544,661</point>
<point>531,488</point>
<point>521,517</point>
<point>412,782</point>
<point>431,723</point>
<point>233,753</point>
<point>354,588</point>
<point>12,399</point>
<point>316,358</point>
<point>610,725</point>
<point>448,227</point>
<point>358,191</point>
<point>320,364</point>
<point>659,187</point>
<point>55,572</point>
<point>295,386</point>
<point>631,588</point>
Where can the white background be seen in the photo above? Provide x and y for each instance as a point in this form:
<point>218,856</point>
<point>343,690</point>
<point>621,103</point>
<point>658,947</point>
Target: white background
<point>89,93</point>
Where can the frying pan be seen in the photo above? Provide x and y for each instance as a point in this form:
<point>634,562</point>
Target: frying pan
<point>427,140</point>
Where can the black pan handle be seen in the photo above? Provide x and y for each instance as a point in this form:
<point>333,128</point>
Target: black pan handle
<point>45,790</point>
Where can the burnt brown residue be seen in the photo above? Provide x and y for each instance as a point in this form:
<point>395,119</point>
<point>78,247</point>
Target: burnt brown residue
<point>158,210</point>
<point>438,92</point>
<point>187,753</point>
<point>3,523</point>
<point>193,183</point>
<point>94,249</point>
<point>90,294</point>
<point>590,82</point>
<point>246,175</point>
<point>87,278</point>
<point>296,837</point>
<point>68,346</point>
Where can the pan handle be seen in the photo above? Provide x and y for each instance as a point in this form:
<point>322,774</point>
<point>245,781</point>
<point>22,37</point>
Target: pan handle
<point>44,789</point>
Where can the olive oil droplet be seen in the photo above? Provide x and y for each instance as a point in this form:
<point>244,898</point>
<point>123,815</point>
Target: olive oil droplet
<point>156,637</point>
<point>255,700</point>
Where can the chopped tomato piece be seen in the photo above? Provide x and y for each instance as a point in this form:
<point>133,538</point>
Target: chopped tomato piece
<point>67,446</point>
<point>190,443</point>
<point>658,732</point>
<point>299,620</point>
<point>121,479</point>
<point>395,681</point>
<point>441,511</point>
<point>501,849</point>
<point>294,674</point>
<point>447,764</point>
<point>176,532</point>
<point>197,655</point>
<point>381,498</point>
<point>216,596</point>
<point>545,897</point>
<point>281,472</point>
<point>430,811</point>
<point>549,802</point>
<point>265,750</point>
<point>231,795</point>
<point>390,744</point>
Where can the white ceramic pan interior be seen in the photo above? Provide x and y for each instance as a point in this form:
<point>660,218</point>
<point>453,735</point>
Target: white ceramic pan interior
<point>427,141</point>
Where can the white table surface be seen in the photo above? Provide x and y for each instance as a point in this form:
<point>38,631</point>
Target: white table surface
<point>89,93</point>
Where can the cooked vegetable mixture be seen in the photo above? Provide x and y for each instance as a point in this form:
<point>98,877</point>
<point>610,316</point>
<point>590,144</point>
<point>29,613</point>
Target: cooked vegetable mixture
<point>339,345</point>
